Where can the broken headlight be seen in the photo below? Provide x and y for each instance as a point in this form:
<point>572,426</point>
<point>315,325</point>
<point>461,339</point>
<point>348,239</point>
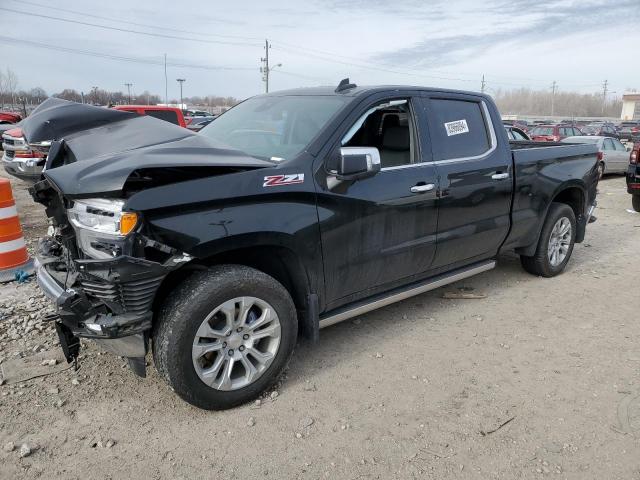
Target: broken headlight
<point>101,226</point>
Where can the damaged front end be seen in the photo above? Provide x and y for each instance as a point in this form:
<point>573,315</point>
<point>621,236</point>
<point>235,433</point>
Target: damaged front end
<point>103,284</point>
<point>101,263</point>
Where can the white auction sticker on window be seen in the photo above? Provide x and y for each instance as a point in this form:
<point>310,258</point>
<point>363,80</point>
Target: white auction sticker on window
<point>456,128</point>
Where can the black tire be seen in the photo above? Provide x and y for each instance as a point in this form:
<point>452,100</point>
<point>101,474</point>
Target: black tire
<point>185,309</point>
<point>539,264</point>
<point>635,202</point>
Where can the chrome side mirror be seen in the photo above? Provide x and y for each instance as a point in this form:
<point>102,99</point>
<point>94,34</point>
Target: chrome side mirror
<point>356,163</point>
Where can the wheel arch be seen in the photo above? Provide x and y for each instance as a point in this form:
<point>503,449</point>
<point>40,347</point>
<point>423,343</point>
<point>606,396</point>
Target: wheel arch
<point>277,261</point>
<point>574,196</point>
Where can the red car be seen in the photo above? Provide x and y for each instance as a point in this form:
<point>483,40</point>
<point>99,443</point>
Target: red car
<point>553,133</point>
<point>19,159</point>
<point>168,114</point>
<point>633,176</point>
<point>9,117</point>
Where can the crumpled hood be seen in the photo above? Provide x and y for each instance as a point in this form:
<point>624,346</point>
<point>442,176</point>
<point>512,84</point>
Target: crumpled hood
<point>103,147</point>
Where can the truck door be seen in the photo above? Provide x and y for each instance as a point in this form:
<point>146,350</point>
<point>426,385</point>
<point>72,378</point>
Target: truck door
<point>475,179</point>
<point>377,231</point>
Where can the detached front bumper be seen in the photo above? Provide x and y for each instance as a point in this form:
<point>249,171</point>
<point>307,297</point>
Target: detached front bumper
<point>108,301</point>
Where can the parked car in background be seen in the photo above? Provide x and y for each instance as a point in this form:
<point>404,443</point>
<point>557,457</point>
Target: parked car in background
<point>196,113</point>
<point>633,176</point>
<point>19,159</point>
<point>613,156</point>
<point>198,123</point>
<point>600,129</point>
<point>515,133</point>
<point>5,127</point>
<point>553,133</point>
<point>168,114</point>
<point>26,161</point>
<point>521,124</point>
<point>10,117</point>
<point>629,131</point>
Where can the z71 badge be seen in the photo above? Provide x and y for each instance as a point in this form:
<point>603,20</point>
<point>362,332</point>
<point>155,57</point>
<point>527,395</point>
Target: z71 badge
<point>279,180</point>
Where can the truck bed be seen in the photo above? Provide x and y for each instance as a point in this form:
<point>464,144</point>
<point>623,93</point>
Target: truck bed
<point>539,170</point>
<point>526,151</point>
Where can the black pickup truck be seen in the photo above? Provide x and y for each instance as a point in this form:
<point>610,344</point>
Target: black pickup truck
<point>292,211</point>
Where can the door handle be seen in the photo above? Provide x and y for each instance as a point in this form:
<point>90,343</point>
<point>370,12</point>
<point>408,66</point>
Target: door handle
<point>422,188</point>
<point>499,176</point>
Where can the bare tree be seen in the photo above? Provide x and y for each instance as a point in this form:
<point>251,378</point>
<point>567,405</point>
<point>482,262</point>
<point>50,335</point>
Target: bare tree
<point>524,101</point>
<point>3,88</point>
<point>11,83</point>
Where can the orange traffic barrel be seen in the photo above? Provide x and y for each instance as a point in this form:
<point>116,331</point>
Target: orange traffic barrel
<point>14,259</point>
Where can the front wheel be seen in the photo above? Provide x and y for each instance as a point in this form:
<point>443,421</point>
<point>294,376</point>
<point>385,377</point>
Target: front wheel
<point>224,336</point>
<point>556,243</point>
<point>635,202</point>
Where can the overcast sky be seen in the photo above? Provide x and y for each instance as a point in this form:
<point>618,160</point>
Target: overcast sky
<point>445,43</point>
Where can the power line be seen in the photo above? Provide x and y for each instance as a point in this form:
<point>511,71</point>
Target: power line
<point>146,25</point>
<point>144,61</point>
<point>128,85</point>
<point>321,55</point>
<point>138,32</point>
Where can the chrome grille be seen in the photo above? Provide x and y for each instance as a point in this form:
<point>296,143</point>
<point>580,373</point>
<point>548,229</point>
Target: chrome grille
<point>134,297</point>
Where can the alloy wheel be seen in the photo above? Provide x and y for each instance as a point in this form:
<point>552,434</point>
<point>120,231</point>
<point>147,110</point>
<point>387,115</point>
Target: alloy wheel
<point>559,242</point>
<point>236,343</point>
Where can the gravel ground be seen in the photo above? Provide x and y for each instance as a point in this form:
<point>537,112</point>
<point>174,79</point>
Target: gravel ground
<point>539,379</point>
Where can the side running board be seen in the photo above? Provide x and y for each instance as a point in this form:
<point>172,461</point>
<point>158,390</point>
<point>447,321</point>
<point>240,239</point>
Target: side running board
<point>412,290</point>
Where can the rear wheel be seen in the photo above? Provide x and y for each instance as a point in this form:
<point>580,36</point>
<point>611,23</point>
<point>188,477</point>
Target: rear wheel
<point>635,202</point>
<point>224,336</point>
<point>555,244</point>
<point>600,170</point>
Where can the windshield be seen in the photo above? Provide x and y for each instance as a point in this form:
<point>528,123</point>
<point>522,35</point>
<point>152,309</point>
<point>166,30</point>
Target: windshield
<point>542,131</point>
<point>276,128</point>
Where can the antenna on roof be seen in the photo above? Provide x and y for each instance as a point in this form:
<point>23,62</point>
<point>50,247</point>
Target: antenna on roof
<point>344,85</point>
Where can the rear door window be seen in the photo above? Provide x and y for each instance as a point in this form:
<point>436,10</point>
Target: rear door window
<point>608,144</point>
<point>166,115</point>
<point>618,145</point>
<point>542,131</point>
<point>458,129</point>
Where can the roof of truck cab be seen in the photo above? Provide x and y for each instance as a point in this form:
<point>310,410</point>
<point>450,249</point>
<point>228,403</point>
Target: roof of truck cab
<point>362,90</point>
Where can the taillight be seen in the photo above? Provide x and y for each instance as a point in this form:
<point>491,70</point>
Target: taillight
<point>633,158</point>
<point>600,156</point>
<point>555,138</point>
<point>28,154</point>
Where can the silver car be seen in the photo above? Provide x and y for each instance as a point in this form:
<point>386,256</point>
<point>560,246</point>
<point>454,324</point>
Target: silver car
<point>613,155</point>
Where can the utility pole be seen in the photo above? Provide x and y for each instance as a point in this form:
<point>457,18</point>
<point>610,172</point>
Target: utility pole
<point>129,85</point>
<point>483,84</point>
<point>166,89</point>
<point>94,90</point>
<point>266,69</point>
<point>604,95</point>
<point>265,66</point>
<point>554,88</point>
<point>181,81</point>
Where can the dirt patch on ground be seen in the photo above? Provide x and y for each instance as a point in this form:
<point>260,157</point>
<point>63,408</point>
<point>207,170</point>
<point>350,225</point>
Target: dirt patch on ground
<point>414,390</point>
